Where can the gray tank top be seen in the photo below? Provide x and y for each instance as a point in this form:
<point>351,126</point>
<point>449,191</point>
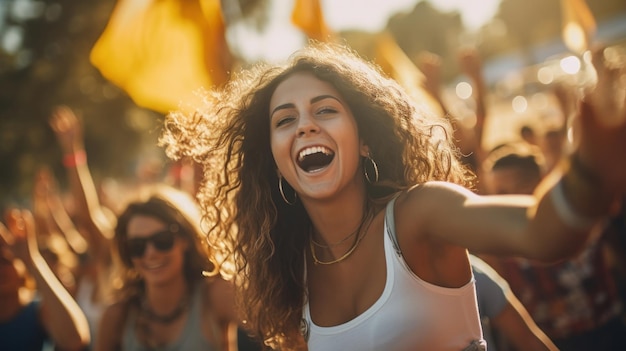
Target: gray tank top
<point>191,337</point>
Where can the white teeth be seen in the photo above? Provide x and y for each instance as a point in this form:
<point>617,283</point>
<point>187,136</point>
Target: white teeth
<point>154,266</point>
<point>313,150</point>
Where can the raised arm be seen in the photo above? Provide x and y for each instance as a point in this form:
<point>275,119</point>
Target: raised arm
<point>469,140</point>
<point>60,314</point>
<point>472,66</point>
<point>69,134</point>
<point>47,197</point>
<point>430,65</point>
<point>557,221</point>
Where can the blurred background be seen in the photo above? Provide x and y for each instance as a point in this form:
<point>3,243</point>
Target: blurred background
<point>121,65</point>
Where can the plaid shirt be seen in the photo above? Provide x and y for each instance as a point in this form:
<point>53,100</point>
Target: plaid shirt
<point>568,298</point>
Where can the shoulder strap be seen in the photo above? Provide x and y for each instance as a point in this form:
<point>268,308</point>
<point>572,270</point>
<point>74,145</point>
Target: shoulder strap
<point>390,225</point>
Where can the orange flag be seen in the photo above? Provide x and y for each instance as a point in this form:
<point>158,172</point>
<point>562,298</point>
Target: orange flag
<point>161,52</point>
<point>307,15</point>
<point>395,63</point>
<point>579,26</point>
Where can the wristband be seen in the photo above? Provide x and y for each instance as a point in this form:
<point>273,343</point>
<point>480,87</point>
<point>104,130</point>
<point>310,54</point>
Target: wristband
<point>565,211</point>
<point>78,158</point>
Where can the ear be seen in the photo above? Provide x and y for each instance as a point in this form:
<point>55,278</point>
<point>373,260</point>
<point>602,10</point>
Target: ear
<point>364,149</point>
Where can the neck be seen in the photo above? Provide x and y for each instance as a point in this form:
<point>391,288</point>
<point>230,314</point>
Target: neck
<point>337,218</point>
<point>162,299</point>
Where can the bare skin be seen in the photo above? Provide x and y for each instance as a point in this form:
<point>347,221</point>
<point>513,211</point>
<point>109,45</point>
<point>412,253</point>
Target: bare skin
<point>434,247</point>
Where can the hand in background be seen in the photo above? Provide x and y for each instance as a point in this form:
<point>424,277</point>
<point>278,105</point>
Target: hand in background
<point>68,129</point>
<point>600,130</point>
<point>19,234</point>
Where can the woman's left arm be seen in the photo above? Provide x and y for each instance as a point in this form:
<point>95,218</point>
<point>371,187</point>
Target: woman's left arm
<point>557,221</point>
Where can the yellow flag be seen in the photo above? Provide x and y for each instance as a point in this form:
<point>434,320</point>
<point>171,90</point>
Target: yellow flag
<point>307,15</point>
<point>161,52</point>
<point>579,26</point>
<point>395,63</point>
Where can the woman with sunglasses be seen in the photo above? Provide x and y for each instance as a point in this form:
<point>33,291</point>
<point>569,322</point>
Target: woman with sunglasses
<point>170,294</point>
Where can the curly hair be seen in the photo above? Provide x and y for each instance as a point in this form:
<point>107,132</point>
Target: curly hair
<point>177,210</point>
<point>261,239</point>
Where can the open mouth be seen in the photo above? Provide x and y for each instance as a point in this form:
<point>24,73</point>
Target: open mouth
<point>315,158</point>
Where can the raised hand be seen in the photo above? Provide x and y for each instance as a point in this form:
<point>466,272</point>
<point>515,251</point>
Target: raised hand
<point>67,128</point>
<point>430,65</point>
<point>470,63</point>
<point>19,234</point>
<point>601,126</point>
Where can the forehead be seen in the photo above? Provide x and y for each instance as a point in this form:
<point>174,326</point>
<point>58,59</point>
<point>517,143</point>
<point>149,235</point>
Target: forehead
<point>508,181</point>
<point>301,86</point>
<point>508,174</point>
<point>141,226</point>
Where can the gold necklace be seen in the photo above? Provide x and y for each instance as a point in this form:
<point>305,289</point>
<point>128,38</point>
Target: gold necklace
<point>340,241</point>
<point>316,260</point>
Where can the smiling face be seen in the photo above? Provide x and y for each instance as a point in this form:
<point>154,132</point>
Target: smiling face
<point>156,266</point>
<point>314,137</point>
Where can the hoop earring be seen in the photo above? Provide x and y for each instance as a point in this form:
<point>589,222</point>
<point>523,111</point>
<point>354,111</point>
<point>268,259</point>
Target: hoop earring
<point>282,193</point>
<point>374,166</point>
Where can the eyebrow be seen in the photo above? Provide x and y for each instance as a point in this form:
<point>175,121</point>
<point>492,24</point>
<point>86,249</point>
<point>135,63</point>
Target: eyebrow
<point>313,100</point>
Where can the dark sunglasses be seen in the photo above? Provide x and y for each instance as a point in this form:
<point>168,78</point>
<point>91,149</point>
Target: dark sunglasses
<point>162,241</point>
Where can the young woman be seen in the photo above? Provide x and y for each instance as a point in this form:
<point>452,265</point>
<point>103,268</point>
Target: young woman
<point>347,214</point>
<point>170,295</point>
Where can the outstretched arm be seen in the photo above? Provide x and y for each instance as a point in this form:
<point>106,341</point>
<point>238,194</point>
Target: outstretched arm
<point>556,222</point>
<point>60,314</point>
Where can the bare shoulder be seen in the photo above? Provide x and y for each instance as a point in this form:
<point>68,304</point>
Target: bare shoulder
<point>429,201</point>
<point>219,297</point>
<point>428,190</point>
<point>111,327</point>
<point>115,313</point>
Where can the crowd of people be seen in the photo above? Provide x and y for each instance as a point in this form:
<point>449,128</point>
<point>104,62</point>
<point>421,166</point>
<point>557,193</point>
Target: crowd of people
<point>133,274</point>
<point>331,212</point>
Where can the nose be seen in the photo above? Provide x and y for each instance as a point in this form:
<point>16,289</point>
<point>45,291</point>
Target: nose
<point>306,125</point>
<point>150,249</point>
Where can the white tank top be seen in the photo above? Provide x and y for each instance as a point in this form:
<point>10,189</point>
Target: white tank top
<point>411,314</point>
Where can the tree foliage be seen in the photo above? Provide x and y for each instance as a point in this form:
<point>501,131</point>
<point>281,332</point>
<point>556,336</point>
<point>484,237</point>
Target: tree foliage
<point>50,68</point>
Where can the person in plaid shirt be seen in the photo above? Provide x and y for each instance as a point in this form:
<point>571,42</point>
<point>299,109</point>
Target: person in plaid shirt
<point>575,302</point>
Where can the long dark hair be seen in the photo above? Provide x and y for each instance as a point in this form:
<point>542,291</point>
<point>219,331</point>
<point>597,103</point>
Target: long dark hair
<point>257,233</point>
<point>175,209</point>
